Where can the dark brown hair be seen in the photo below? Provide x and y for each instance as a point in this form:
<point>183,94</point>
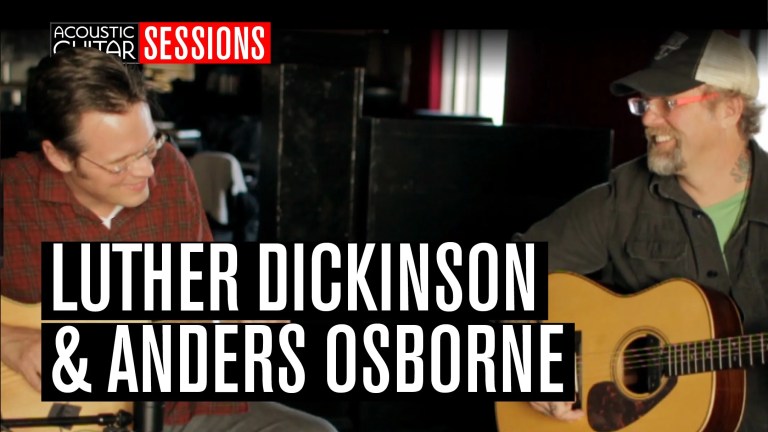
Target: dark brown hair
<point>72,82</point>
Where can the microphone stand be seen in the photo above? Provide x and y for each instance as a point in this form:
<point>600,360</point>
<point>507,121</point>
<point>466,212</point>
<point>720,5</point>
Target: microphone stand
<point>113,422</point>
<point>148,416</point>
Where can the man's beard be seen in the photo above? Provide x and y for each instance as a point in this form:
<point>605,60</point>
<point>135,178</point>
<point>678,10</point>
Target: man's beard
<point>663,161</point>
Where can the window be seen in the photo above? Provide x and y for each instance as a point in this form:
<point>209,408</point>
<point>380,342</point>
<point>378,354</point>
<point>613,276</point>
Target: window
<point>161,76</point>
<point>758,41</point>
<point>474,69</point>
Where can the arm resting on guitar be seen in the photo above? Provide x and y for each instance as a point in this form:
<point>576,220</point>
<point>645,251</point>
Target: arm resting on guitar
<point>20,351</point>
<point>558,410</point>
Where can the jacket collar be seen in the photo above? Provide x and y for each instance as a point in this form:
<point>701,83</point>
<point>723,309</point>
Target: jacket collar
<point>757,200</point>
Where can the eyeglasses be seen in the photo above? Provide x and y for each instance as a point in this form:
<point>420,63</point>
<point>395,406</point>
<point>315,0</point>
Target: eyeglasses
<point>118,168</point>
<point>639,106</point>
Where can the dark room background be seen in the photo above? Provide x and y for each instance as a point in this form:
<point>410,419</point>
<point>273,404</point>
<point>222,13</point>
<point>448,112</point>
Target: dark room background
<point>340,139</point>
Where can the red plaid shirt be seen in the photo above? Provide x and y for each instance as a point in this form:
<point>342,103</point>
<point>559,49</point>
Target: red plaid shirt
<point>38,206</point>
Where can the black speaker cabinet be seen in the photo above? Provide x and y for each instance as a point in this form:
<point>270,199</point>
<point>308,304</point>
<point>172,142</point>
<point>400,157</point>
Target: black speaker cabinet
<point>437,181</point>
<point>310,134</point>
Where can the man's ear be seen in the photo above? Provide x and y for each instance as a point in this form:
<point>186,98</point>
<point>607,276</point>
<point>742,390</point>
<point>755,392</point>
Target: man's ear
<point>56,157</point>
<point>733,108</point>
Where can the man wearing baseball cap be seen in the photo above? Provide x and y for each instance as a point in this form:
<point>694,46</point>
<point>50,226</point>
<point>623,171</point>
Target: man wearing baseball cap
<point>695,206</point>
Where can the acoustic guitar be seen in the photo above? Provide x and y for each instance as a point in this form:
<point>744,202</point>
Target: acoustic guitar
<point>671,357</point>
<point>18,400</point>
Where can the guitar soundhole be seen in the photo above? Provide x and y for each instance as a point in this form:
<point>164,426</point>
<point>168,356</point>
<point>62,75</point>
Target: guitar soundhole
<point>642,366</point>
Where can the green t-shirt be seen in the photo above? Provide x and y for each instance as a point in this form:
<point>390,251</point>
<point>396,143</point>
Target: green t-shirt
<point>725,216</point>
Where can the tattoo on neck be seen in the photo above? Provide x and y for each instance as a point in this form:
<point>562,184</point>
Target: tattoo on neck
<point>740,172</point>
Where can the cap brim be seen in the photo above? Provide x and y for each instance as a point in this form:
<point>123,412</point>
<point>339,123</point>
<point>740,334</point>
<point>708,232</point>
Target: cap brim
<point>653,82</point>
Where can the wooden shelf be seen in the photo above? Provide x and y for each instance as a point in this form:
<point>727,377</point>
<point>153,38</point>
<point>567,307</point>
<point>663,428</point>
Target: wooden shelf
<point>13,85</point>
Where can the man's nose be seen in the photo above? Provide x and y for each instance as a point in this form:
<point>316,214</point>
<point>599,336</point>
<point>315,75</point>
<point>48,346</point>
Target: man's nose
<point>651,117</point>
<point>142,167</point>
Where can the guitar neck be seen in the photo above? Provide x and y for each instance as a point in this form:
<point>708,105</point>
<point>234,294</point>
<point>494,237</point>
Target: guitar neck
<point>714,355</point>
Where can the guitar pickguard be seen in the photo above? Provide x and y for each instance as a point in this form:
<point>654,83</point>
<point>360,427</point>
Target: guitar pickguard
<point>610,410</point>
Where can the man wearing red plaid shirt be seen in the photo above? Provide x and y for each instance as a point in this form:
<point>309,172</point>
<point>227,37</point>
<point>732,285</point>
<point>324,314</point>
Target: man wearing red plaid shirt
<point>105,175</point>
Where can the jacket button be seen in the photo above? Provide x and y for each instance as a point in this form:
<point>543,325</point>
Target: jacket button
<point>698,214</point>
<point>712,274</point>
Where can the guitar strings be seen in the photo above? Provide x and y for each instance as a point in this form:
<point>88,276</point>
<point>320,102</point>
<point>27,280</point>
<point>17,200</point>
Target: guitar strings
<point>695,354</point>
<point>702,353</point>
<point>643,352</point>
<point>653,358</point>
<point>639,358</point>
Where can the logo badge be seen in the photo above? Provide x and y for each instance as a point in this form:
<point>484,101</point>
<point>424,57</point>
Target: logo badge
<point>120,39</point>
<point>672,44</point>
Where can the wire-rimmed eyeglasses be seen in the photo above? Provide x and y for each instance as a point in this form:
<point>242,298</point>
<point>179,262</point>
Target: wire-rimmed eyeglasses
<point>639,106</point>
<point>150,151</point>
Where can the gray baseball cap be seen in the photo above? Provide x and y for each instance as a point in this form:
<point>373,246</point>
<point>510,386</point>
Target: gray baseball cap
<point>688,60</point>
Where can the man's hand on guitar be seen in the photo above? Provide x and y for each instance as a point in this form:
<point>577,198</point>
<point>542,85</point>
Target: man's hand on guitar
<point>558,410</point>
<point>20,351</point>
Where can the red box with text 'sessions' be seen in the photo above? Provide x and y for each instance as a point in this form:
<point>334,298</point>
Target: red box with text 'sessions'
<point>205,42</point>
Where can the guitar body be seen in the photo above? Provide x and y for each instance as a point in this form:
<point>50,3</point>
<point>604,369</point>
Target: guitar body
<point>19,400</point>
<point>610,326</point>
